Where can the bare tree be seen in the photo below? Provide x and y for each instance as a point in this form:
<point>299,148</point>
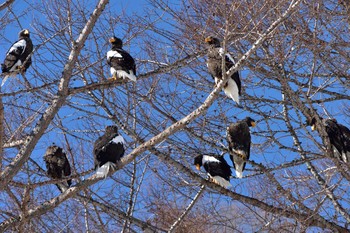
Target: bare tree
<point>293,57</point>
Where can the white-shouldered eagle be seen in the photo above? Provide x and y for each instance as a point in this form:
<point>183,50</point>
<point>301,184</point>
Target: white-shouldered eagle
<point>108,150</point>
<point>121,62</point>
<point>215,54</point>
<point>217,168</point>
<point>339,136</point>
<point>18,57</point>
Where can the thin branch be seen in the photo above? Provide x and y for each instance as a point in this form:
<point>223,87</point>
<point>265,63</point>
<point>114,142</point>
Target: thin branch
<point>187,210</point>
<point>116,212</point>
<point>2,131</point>
<point>6,4</point>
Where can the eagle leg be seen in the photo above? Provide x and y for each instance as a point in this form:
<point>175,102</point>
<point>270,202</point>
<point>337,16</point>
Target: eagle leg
<point>214,181</point>
<point>21,69</point>
<point>114,77</point>
<point>242,156</point>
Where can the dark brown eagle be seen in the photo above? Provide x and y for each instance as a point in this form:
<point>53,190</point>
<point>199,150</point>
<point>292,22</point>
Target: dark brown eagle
<point>57,166</point>
<point>239,140</point>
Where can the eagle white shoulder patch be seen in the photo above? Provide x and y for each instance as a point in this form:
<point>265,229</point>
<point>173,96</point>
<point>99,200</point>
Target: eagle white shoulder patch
<point>118,139</point>
<point>21,44</point>
<point>221,52</point>
<point>207,158</point>
<point>112,53</point>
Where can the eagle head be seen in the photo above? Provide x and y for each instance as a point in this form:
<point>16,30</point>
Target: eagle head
<point>212,41</point>
<point>250,122</point>
<point>198,162</point>
<point>311,122</point>
<point>112,129</point>
<point>116,42</point>
<point>24,33</point>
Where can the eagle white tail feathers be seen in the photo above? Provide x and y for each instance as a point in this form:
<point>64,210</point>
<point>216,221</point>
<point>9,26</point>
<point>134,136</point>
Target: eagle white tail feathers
<point>239,169</point>
<point>105,169</point>
<point>231,90</point>
<point>63,186</point>
<point>123,74</point>
<point>222,182</point>
<point>4,79</point>
<point>346,156</point>
<point>343,156</point>
<point>13,74</point>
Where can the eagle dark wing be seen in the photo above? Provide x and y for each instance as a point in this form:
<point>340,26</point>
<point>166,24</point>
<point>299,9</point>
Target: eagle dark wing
<point>19,51</point>
<point>57,163</point>
<point>108,148</point>
<point>345,132</point>
<point>119,59</point>
<point>339,136</point>
<point>214,62</point>
<point>66,167</point>
<point>221,168</point>
<point>26,55</point>
<point>99,146</point>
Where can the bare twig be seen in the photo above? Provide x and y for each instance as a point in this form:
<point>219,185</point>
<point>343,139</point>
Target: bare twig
<point>187,210</point>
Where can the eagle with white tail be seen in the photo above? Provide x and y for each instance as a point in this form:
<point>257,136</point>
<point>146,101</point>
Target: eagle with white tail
<point>108,150</point>
<point>232,88</point>
<point>121,62</point>
<point>239,140</point>
<point>218,170</point>
<point>339,136</point>
<point>18,57</point>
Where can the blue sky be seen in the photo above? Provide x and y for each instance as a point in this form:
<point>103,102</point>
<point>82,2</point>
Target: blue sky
<point>271,156</point>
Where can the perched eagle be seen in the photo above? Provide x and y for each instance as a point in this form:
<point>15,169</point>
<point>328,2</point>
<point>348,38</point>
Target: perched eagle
<point>239,139</point>
<point>108,150</point>
<point>57,166</point>
<point>215,54</point>
<point>121,63</point>
<point>339,136</point>
<point>18,57</point>
<point>217,168</point>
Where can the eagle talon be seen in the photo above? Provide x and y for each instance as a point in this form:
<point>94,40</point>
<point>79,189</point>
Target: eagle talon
<point>113,78</point>
<point>21,69</point>
<point>213,181</point>
<point>244,157</point>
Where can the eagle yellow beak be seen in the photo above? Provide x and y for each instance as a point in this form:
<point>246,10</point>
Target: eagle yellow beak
<point>198,167</point>
<point>208,39</point>
<point>313,127</point>
<point>26,32</point>
<point>253,123</point>
<point>111,40</point>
